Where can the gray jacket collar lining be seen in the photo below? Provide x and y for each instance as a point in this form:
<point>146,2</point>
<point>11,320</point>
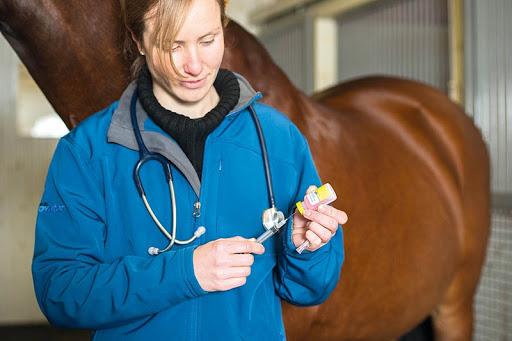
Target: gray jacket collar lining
<point>120,130</point>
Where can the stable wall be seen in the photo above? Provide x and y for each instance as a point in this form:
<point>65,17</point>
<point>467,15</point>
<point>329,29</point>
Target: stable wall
<point>22,172</point>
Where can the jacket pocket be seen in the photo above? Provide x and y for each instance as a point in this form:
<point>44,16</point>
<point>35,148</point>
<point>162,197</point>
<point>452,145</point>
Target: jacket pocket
<point>260,306</point>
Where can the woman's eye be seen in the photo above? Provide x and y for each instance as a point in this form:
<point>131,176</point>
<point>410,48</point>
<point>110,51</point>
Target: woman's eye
<point>175,48</point>
<point>208,42</point>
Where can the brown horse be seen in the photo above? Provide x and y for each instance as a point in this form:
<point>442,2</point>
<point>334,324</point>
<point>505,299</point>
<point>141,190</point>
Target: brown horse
<point>411,166</point>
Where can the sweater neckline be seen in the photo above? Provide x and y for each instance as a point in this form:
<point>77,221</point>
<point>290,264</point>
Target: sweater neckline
<point>226,85</point>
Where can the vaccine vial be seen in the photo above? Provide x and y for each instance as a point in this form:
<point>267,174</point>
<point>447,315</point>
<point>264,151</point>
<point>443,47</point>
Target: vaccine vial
<point>323,195</point>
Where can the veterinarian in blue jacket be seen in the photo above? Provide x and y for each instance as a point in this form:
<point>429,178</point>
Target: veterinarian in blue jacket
<point>91,265</point>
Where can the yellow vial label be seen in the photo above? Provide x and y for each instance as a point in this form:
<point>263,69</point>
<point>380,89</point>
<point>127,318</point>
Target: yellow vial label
<point>300,207</point>
<point>323,192</point>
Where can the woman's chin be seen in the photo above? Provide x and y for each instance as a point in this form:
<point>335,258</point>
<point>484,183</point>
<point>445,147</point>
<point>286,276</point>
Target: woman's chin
<point>191,96</point>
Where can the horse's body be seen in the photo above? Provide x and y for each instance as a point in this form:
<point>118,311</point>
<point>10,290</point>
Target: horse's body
<point>411,168</point>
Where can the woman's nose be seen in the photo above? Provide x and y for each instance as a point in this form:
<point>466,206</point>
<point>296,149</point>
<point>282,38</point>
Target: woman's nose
<point>192,64</point>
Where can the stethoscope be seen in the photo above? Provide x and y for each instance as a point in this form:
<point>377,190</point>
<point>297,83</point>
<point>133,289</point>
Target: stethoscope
<point>272,218</point>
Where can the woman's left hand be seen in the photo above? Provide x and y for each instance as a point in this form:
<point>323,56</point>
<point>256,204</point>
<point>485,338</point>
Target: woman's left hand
<point>318,227</point>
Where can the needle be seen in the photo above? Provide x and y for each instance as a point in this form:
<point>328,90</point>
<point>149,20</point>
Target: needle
<point>270,232</point>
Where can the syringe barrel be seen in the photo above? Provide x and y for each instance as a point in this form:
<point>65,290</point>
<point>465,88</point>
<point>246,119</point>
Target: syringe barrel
<point>302,247</point>
<point>265,235</point>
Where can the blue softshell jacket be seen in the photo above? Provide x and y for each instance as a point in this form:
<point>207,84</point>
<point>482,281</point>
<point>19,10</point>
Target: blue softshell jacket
<point>91,266</point>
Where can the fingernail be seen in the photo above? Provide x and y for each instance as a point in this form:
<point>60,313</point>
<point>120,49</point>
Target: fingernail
<point>307,213</point>
<point>321,208</point>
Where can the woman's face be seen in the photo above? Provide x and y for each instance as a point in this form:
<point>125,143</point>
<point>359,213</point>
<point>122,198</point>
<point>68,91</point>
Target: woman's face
<point>197,54</point>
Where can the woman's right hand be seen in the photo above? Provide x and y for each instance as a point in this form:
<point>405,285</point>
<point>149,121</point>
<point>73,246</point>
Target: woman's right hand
<point>225,264</point>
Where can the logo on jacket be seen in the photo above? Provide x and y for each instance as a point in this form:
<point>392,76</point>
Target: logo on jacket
<point>45,207</point>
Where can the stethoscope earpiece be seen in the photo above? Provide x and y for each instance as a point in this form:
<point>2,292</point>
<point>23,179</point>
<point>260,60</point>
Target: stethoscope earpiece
<point>153,251</point>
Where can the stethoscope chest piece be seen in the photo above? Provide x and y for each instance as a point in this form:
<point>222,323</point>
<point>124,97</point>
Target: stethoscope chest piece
<point>271,217</point>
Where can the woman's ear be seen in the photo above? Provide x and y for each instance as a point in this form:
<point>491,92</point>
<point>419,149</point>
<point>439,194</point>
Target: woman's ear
<point>139,45</point>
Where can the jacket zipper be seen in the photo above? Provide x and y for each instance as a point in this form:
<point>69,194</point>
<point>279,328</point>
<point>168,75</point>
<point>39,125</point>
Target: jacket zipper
<point>196,214</point>
<point>197,210</point>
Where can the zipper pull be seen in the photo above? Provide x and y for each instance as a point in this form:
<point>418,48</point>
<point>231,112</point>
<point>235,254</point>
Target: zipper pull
<point>197,210</point>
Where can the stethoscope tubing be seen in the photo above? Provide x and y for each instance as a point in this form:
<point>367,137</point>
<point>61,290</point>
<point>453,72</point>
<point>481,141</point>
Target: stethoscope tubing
<point>145,155</point>
<point>264,153</point>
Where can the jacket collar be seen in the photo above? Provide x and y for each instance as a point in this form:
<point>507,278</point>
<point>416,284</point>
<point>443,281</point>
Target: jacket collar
<point>120,130</point>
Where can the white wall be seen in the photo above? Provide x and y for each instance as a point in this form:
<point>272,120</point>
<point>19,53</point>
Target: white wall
<point>306,54</point>
<point>239,10</point>
<point>22,172</point>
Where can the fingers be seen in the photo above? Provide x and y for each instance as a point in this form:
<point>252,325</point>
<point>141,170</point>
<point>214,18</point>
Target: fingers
<point>314,241</point>
<point>322,225</point>
<point>225,264</point>
<point>328,216</point>
<point>241,245</point>
<point>325,220</point>
<point>237,251</point>
<point>340,216</point>
<point>222,274</point>
<point>240,260</point>
<point>323,234</point>
<point>343,218</point>
<point>235,271</point>
<point>298,220</point>
<point>232,283</point>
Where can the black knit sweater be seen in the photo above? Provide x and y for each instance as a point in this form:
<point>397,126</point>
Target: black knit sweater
<point>189,133</point>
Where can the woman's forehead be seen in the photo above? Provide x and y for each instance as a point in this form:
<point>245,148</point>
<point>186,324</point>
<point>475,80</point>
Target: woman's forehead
<point>203,17</point>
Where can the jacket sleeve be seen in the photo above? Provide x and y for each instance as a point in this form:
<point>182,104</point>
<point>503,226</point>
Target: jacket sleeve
<point>307,278</point>
<point>75,286</point>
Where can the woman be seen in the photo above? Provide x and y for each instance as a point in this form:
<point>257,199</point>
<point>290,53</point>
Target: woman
<point>91,265</point>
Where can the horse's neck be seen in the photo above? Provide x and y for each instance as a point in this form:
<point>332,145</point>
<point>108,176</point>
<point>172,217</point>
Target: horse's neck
<point>72,54</point>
